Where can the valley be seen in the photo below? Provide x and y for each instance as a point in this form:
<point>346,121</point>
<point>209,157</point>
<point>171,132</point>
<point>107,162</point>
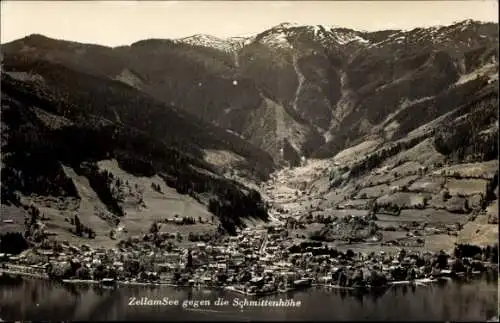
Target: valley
<point>299,140</point>
<point>249,160</point>
<point>415,205</point>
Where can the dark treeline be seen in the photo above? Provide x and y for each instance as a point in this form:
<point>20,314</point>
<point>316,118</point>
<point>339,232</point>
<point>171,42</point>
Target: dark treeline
<point>490,189</point>
<point>31,167</point>
<point>375,159</point>
<point>80,229</point>
<point>445,102</point>
<point>100,182</point>
<point>457,139</point>
<point>36,152</point>
<point>462,138</point>
<point>231,202</point>
<point>84,95</point>
<point>13,243</point>
<point>488,253</point>
<point>202,237</point>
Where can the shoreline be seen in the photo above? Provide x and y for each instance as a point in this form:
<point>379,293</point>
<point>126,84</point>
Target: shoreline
<point>242,292</point>
<point>4,271</point>
<point>417,282</point>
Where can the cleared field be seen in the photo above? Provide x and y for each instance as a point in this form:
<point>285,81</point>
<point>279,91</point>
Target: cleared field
<point>457,204</point>
<point>492,211</point>
<point>454,204</point>
<point>405,181</point>
<point>336,196</point>
<point>355,204</point>
<point>306,232</point>
<point>485,170</point>
<point>479,234</point>
<point>387,223</point>
<point>352,153</point>
<point>406,169</point>
<point>430,216</point>
<point>346,212</point>
<point>378,177</point>
<point>388,177</point>
<point>91,210</point>
<point>403,199</point>
<point>159,206</point>
<point>427,185</point>
<point>466,187</point>
<point>373,191</point>
<point>404,217</point>
<point>423,153</point>
<point>443,216</point>
<point>482,218</point>
<point>87,210</point>
<point>393,235</point>
<point>440,242</point>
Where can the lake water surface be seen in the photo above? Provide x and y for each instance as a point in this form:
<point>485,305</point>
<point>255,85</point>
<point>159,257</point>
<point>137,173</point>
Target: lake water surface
<point>44,300</point>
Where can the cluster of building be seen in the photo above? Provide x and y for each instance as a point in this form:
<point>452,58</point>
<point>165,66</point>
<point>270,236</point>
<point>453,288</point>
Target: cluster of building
<point>256,261</point>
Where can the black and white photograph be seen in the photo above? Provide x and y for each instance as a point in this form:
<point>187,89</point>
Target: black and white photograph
<point>249,161</point>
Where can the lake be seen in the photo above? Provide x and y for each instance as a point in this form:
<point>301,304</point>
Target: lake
<point>44,300</point>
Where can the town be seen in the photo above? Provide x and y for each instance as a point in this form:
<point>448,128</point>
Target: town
<point>257,261</point>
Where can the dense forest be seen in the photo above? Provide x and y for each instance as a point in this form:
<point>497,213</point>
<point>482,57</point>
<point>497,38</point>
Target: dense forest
<point>35,150</point>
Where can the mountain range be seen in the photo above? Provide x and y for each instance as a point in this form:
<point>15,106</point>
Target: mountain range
<point>203,110</point>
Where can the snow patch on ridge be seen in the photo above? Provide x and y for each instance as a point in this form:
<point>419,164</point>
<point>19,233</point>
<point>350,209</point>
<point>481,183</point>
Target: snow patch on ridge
<point>223,44</point>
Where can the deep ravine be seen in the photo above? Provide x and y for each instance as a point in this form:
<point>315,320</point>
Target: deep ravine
<point>301,79</point>
<point>343,106</point>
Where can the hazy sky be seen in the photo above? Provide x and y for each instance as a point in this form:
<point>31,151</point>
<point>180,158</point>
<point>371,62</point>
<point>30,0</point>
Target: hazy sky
<point>120,23</point>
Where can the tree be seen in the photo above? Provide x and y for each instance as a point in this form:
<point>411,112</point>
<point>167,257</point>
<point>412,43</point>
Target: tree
<point>192,237</point>
<point>78,226</point>
<point>38,235</point>
<point>494,254</point>
<point>349,254</point>
<point>169,246</point>
<point>154,229</point>
<point>98,273</point>
<point>442,260</point>
<point>83,273</point>
<point>466,205</point>
<point>111,273</point>
<point>132,267</point>
<point>177,276</point>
